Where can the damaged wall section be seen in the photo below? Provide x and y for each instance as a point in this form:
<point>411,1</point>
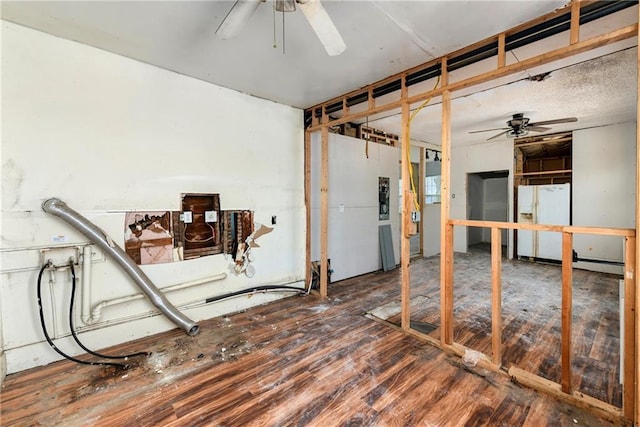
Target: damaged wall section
<point>119,136</point>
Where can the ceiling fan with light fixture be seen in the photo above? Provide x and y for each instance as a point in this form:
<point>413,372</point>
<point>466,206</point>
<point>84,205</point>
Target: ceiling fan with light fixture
<point>313,10</point>
<point>519,125</point>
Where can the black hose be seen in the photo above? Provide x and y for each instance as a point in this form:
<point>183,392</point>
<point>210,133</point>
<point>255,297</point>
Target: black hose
<point>255,289</point>
<point>73,332</point>
<point>46,334</point>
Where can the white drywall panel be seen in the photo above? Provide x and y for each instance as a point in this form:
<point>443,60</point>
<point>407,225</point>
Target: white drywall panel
<point>431,230</point>
<point>353,203</point>
<point>108,135</point>
<point>603,190</point>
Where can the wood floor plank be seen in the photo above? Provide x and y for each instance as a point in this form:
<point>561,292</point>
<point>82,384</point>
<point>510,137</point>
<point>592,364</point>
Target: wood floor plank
<point>312,362</point>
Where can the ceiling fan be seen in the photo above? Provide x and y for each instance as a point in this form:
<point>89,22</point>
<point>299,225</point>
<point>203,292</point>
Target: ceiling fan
<point>519,125</point>
<point>313,10</point>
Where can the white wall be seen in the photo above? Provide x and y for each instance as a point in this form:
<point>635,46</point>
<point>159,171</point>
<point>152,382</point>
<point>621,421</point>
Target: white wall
<point>431,216</point>
<point>107,135</point>
<point>603,190</point>
<point>482,157</point>
<point>353,203</point>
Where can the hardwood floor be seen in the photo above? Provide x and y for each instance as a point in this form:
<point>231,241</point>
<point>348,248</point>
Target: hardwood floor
<point>302,361</point>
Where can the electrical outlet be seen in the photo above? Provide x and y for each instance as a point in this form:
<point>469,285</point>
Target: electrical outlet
<point>60,256</point>
<point>187,217</point>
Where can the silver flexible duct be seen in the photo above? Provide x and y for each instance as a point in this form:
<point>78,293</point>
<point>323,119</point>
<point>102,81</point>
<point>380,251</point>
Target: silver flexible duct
<point>60,209</point>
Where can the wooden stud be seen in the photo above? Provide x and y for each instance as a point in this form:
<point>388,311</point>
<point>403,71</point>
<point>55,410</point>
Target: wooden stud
<point>574,31</point>
<point>421,196</point>
<point>629,355</point>
<point>446,229</point>
<point>502,54</point>
<point>444,73</point>
<point>496,292</point>
<point>307,205</point>
<point>370,100</point>
<point>637,252</point>
<point>405,249</point>
<point>345,107</point>
<point>324,207</point>
<point>567,289</point>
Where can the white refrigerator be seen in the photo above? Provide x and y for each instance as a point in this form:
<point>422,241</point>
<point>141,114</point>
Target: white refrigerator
<point>543,204</point>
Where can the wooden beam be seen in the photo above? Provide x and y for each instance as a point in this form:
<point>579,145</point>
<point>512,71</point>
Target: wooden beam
<point>446,242</point>
<point>405,255</point>
<point>421,196</point>
<point>560,53</point>
<point>502,54</point>
<point>637,252</point>
<point>629,355</point>
<point>620,232</point>
<point>604,410</point>
<point>496,295</point>
<point>544,172</point>
<point>574,29</point>
<point>324,206</point>
<point>307,206</point>
<point>567,289</point>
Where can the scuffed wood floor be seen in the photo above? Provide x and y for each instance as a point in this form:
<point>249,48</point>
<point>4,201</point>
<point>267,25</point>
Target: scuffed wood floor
<point>298,361</point>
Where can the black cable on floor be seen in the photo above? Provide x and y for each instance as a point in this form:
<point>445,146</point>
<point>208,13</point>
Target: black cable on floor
<point>72,328</point>
<point>257,289</point>
<point>46,334</point>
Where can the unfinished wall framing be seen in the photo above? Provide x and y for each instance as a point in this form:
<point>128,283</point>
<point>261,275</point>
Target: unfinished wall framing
<point>318,119</point>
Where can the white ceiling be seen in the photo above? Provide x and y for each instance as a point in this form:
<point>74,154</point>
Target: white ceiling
<point>382,38</point>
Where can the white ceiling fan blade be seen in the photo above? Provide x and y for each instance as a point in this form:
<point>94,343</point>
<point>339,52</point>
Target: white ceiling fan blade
<point>323,26</point>
<point>237,17</point>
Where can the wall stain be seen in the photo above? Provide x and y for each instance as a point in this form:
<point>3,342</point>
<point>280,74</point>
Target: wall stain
<point>12,178</point>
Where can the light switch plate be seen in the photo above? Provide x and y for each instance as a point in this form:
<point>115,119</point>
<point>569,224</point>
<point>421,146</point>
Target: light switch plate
<point>187,217</point>
<point>210,216</point>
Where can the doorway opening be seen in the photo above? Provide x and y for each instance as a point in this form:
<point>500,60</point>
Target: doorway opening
<point>487,200</point>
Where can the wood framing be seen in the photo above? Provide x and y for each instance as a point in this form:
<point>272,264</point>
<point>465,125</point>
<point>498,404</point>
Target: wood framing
<point>629,331</point>
<point>637,252</point>
<point>567,300</point>
<point>407,199</point>
<point>446,230</point>
<point>574,30</point>
<point>324,207</point>
<point>574,46</point>
<point>496,292</point>
<point>554,55</point>
<point>307,205</point>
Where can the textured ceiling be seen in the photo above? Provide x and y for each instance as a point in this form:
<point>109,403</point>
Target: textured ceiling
<point>382,37</point>
<point>599,91</point>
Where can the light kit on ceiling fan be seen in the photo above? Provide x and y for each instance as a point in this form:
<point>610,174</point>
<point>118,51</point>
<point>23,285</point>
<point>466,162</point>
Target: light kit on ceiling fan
<point>313,10</point>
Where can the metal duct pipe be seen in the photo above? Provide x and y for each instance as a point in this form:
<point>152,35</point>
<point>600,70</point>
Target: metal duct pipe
<point>60,209</point>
